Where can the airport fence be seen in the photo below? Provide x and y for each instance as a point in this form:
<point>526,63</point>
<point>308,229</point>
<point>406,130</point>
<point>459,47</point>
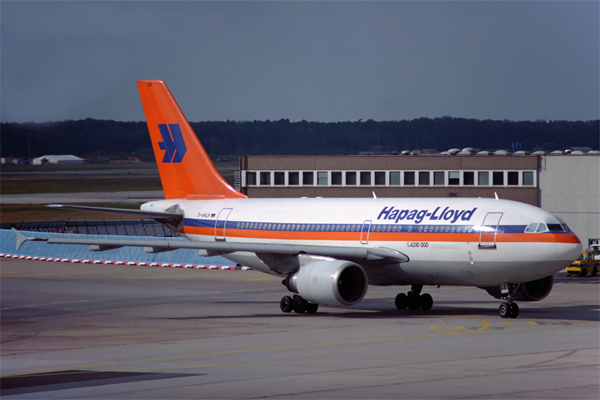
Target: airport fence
<point>123,254</point>
<point>100,227</point>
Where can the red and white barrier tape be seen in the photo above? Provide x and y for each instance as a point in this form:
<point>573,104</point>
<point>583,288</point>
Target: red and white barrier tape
<point>194,266</point>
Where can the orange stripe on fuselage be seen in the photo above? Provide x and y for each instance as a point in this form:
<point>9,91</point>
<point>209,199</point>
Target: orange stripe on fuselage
<point>385,236</point>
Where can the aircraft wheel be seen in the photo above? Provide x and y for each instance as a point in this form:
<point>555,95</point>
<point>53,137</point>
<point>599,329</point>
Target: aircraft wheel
<point>514,310</point>
<point>286,304</point>
<point>426,301</point>
<point>311,308</point>
<point>299,305</point>
<point>401,301</point>
<point>504,310</point>
<point>413,301</point>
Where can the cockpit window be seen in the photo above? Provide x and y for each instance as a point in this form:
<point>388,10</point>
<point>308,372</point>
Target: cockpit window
<point>531,227</point>
<point>541,228</point>
<point>564,225</point>
<point>556,228</point>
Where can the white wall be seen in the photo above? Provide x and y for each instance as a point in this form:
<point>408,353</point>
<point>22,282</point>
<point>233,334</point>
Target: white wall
<point>570,188</point>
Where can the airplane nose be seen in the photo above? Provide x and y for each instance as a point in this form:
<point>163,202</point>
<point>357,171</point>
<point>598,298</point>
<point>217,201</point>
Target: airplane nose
<point>569,251</point>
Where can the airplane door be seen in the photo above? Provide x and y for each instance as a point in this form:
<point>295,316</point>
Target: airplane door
<point>220,223</point>
<point>487,235</point>
<point>364,232</point>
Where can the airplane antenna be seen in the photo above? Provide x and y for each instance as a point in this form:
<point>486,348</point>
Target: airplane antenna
<point>496,195</point>
<point>374,195</point>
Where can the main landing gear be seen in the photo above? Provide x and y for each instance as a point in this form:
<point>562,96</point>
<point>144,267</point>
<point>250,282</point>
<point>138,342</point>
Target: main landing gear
<point>414,300</point>
<point>509,309</point>
<point>298,305</point>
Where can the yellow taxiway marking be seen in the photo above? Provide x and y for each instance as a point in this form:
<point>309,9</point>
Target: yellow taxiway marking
<point>456,328</point>
<point>483,329</point>
<point>507,322</point>
<point>485,326</point>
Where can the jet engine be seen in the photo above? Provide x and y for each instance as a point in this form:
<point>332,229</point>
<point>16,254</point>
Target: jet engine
<point>329,282</point>
<point>527,291</point>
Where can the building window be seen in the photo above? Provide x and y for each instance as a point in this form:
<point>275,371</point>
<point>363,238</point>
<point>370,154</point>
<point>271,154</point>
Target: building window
<point>308,178</point>
<point>483,178</point>
<point>250,178</point>
<point>336,178</point>
<point>279,178</point>
<point>528,178</point>
<point>454,178</point>
<point>394,178</point>
<point>365,178</point>
<point>265,178</point>
<point>409,178</point>
<point>380,177</point>
<point>423,178</point>
<point>498,178</point>
<point>293,178</point>
<point>438,178</point>
<point>512,178</point>
<point>350,178</point>
<point>322,178</point>
<point>468,178</point>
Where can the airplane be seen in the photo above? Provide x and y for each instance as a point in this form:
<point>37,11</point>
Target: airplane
<point>329,250</point>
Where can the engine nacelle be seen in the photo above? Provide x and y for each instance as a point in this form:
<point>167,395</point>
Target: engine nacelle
<point>330,282</point>
<point>528,291</point>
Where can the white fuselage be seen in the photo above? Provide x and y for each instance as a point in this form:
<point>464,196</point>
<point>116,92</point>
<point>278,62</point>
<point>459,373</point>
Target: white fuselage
<point>449,241</point>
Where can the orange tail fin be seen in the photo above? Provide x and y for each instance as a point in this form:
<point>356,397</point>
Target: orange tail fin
<point>185,169</point>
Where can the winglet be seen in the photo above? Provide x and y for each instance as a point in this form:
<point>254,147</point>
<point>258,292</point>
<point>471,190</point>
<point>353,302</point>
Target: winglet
<point>185,168</point>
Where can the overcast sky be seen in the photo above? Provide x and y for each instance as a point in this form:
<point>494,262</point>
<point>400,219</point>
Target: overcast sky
<point>314,61</point>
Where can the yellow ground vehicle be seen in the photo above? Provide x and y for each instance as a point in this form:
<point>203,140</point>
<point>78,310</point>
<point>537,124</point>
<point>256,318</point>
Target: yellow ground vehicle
<point>587,263</point>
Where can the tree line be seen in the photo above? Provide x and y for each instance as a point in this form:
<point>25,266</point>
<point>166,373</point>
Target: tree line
<point>123,139</point>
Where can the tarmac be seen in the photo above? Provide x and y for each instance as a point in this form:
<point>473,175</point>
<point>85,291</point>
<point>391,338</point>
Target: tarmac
<point>135,332</point>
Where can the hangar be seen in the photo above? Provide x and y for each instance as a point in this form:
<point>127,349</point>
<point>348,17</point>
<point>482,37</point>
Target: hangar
<point>564,184</point>
<point>64,159</point>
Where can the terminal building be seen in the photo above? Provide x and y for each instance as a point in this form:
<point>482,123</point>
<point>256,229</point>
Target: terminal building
<point>567,185</point>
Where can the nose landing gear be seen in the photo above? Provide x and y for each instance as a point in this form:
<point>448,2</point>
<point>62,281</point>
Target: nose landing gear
<point>509,309</point>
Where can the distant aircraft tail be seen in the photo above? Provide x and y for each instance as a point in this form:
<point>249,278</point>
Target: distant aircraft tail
<point>185,168</point>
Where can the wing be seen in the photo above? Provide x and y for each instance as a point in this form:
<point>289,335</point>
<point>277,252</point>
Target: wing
<point>358,254</point>
<point>171,216</point>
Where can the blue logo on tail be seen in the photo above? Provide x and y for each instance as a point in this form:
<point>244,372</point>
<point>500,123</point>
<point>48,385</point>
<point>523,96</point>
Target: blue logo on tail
<point>172,143</point>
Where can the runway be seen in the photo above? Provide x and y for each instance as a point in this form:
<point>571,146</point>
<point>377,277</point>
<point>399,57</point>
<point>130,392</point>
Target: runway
<point>132,332</point>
